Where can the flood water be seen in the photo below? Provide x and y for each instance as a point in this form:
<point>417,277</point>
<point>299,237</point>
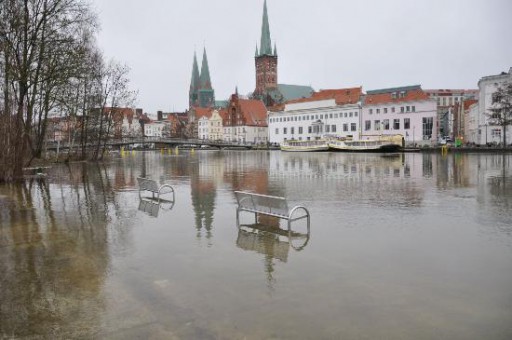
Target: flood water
<point>412,246</point>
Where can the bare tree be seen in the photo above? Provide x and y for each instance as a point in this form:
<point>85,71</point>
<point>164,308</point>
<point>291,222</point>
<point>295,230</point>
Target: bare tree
<point>501,111</point>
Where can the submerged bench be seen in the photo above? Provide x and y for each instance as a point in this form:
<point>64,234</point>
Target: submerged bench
<point>146,184</point>
<point>269,205</point>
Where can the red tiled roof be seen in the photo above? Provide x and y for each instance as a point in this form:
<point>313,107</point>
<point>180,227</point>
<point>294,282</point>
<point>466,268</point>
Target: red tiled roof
<point>254,111</point>
<point>381,98</point>
<point>468,103</point>
<point>341,96</point>
<point>203,111</point>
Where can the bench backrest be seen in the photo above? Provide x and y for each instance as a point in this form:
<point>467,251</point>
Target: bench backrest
<point>147,184</point>
<point>262,203</point>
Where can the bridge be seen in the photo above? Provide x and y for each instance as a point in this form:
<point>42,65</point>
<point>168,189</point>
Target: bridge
<point>161,142</point>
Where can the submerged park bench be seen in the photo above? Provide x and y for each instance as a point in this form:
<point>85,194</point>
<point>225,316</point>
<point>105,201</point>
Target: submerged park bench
<point>269,205</point>
<point>146,184</point>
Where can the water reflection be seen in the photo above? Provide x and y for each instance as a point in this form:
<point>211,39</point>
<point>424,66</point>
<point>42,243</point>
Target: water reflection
<point>266,237</point>
<point>153,206</point>
<point>74,253</point>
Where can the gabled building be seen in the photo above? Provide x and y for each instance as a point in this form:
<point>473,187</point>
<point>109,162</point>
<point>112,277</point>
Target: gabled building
<point>245,121</point>
<point>406,110</point>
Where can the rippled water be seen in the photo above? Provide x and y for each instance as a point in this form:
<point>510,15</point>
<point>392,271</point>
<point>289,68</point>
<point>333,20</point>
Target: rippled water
<point>413,246</point>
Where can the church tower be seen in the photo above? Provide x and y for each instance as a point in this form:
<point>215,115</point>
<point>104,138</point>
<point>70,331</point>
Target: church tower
<point>201,93</point>
<point>193,96</point>
<point>266,63</point>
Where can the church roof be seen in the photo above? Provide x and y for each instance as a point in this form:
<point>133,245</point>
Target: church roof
<point>291,92</point>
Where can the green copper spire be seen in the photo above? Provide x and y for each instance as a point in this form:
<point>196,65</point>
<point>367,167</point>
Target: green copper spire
<point>204,78</point>
<point>256,54</point>
<point>194,82</point>
<point>266,45</point>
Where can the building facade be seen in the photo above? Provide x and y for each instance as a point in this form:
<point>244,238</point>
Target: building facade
<point>245,121</point>
<point>327,112</point>
<point>407,110</point>
<point>485,132</point>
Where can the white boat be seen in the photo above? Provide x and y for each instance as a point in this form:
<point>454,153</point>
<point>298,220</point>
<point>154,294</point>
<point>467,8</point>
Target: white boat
<point>305,145</point>
<point>389,143</point>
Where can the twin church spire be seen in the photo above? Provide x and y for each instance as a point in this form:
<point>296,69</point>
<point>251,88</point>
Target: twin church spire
<point>201,93</point>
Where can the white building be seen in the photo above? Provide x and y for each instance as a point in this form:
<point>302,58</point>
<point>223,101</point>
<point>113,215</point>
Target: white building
<point>407,110</point>
<point>489,133</point>
<point>215,126</point>
<point>203,127</point>
<point>336,112</point>
<point>156,129</point>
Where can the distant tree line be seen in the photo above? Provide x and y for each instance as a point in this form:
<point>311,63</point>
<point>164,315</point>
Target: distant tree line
<point>50,65</point>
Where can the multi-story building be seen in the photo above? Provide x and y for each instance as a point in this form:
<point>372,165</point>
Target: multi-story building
<point>245,121</point>
<point>483,132</point>
<point>203,128</point>
<point>407,110</point>
<point>449,109</point>
<point>336,112</point>
<point>157,129</point>
<point>215,126</point>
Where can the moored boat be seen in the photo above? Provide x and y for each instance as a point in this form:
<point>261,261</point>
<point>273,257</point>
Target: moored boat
<point>305,145</point>
<point>376,144</point>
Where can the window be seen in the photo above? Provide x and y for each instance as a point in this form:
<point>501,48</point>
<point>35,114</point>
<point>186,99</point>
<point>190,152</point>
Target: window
<point>377,111</point>
<point>408,108</point>
<point>292,130</point>
<point>367,125</point>
<point>309,130</point>
<point>393,109</point>
<point>355,114</point>
<point>350,114</point>
<point>396,124</point>
<point>335,115</point>
<point>496,133</point>
<point>428,123</point>
<point>402,109</point>
<point>330,115</point>
<point>376,125</point>
<point>413,108</point>
<point>353,127</point>
<point>333,128</point>
<point>393,95</point>
<point>385,124</point>
<point>300,130</point>
<point>385,110</point>
<point>327,128</point>
<point>285,131</point>
<point>345,114</point>
<point>407,123</point>
<point>345,127</point>
<point>370,111</point>
<point>321,116</point>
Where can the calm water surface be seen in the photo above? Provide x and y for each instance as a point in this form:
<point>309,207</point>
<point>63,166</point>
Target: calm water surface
<point>414,246</point>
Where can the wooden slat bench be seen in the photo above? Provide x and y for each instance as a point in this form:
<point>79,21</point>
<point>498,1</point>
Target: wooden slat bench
<point>269,205</point>
<point>146,184</point>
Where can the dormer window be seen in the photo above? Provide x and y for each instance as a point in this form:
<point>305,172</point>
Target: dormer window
<point>393,95</point>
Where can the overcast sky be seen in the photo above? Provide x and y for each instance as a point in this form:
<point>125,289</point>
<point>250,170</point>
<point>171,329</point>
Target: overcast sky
<point>321,43</point>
